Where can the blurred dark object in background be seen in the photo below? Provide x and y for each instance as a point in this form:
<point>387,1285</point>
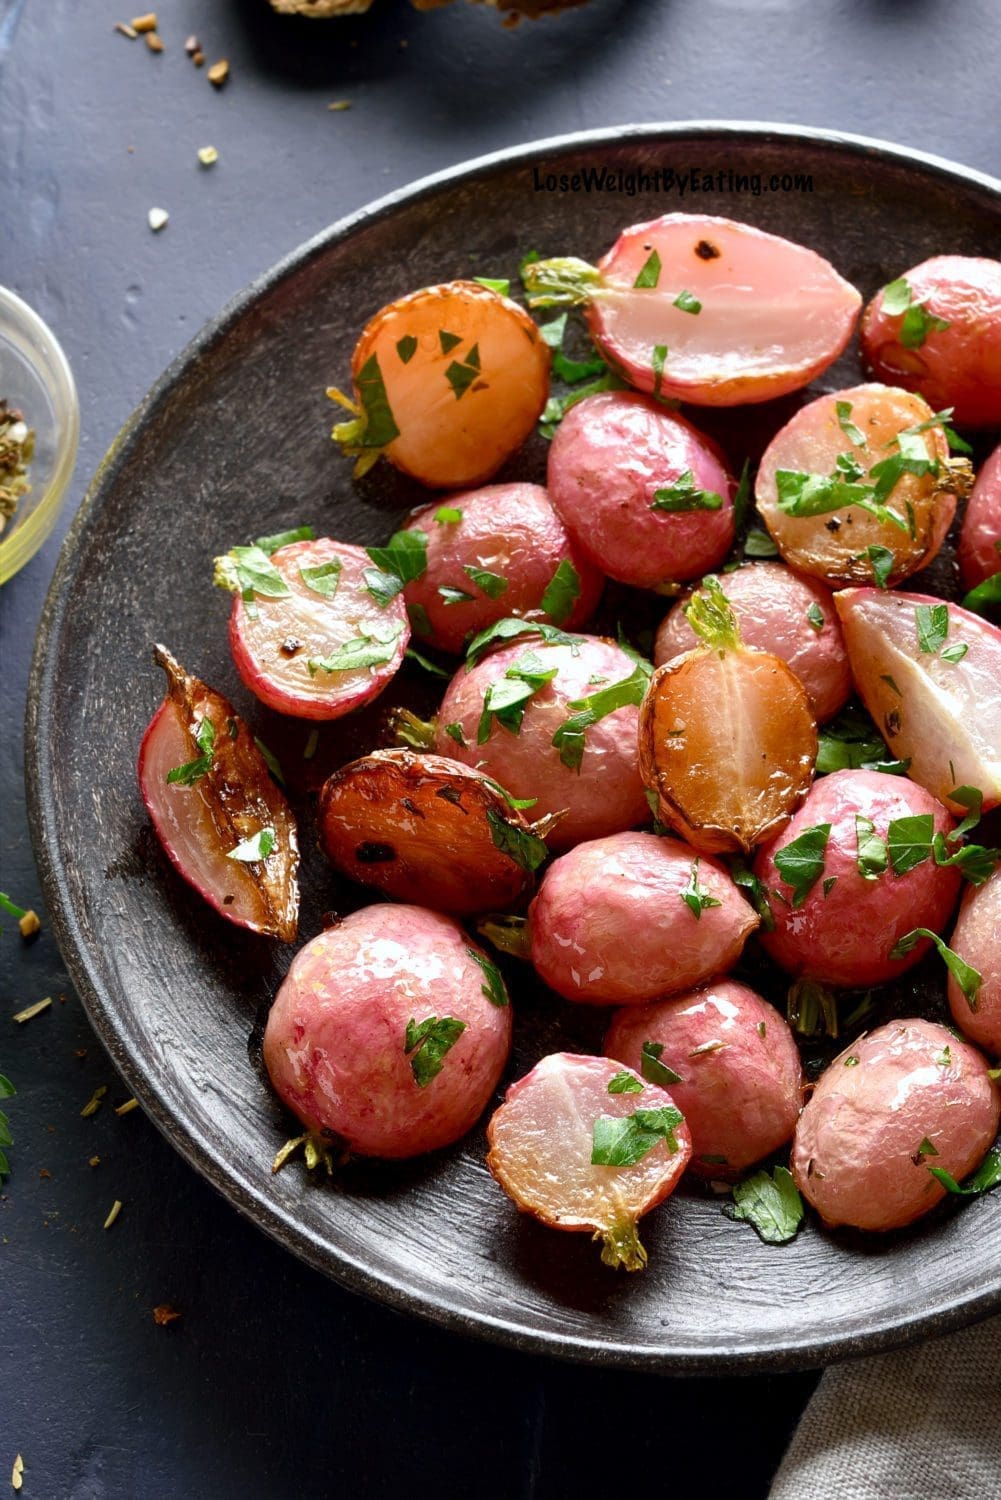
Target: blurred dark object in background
<point>513,10</point>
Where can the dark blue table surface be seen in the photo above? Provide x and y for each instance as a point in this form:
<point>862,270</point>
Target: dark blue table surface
<point>274,1382</point>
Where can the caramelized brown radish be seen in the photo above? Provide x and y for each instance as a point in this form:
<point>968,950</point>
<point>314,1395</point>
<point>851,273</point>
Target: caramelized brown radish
<point>727,736</point>
<point>223,823</point>
<point>448,382</point>
<point>584,1144</point>
<point>425,828</point>
<point>859,487</point>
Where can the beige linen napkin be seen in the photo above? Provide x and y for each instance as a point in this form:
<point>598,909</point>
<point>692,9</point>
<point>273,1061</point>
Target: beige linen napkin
<point>921,1424</point>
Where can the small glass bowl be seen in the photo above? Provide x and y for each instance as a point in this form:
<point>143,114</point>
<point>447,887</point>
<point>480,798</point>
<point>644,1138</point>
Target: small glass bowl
<point>36,378</point>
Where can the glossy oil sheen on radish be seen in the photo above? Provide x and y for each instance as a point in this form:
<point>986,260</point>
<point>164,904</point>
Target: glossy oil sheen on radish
<point>940,708</point>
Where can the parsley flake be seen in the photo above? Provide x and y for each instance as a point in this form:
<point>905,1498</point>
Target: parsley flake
<point>193,770</point>
<point>684,495</point>
<point>523,846</point>
<point>650,272</point>
<point>492,584</point>
<point>626,1140</point>
<point>688,303</point>
<point>427,1043</point>
<point>561,593</point>
<point>695,897</point>
<point>494,987</point>
<point>403,559</point>
<point>801,862</point>
<point>653,1070</point>
<point>968,978</point>
<point>255,848</point>
<point>771,1204</point>
<point>625,1083</point>
<point>406,348</point>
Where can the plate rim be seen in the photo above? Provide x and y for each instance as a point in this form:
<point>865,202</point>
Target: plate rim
<point>195,1148</point>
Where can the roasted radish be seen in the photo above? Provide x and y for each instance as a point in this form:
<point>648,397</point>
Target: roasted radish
<point>316,629</point>
<point>980,537</point>
<point>777,610</point>
<point>584,1144</point>
<point>727,738</point>
<point>495,552</point>
<point>857,869</point>
<point>223,823</point>
<point>705,309</point>
<point>731,1064</point>
<point>643,495</point>
<point>448,382</point>
<point>859,487</point>
<point>899,1105</point>
<point>423,828</point>
<point>976,941</point>
<point>627,918</point>
<point>937,330</point>
<point>556,722</point>
<point>389,1034</point>
<point>930,674</point>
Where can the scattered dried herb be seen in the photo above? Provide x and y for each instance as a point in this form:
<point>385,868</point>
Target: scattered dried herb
<point>17,448</point>
<point>33,1010</point>
<point>116,1209</point>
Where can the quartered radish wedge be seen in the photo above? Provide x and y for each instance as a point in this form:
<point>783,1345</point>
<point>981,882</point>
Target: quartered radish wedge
<point>448,382</point>
<point>315,629</point>
<point>224,824</point>
<point>930,675</point>
<point>584,1144</point>
<point>705,309</point>
<point>426,829</point>
<point>859,486</point>
<point>727,737</point>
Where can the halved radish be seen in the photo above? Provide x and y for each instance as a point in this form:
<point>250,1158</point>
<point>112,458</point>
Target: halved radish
<point>448,381</point>
<point>223,823</point>
<point>585,1145</point>
<point>315,630</point>
<point>777,610</point>
<point>859,486</point>
<point>727,737</point>
<point>980,538</point>
<point>422,827</point>
<point>707,310</point>
<point>930,675</point>
<point>937,330</point>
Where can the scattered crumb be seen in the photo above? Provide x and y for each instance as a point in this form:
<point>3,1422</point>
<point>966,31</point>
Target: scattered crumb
<point>17,1472</point>
<point>80,1052</point>
<point>154,42</point>
<point>165,1314</point>
<point>157,218</point>
<point>116,1209</point>
<point>218,73</point>
<point>33,1010</point>
<point>44,1172</point>
<point>340,104</point>
<point>191,46</point>
<point>95,1161</point>
<point>127,1107</point>
<point>198,58</point>
<point>124,29</point>
<point>29,924</point>
<point>144,23</point>
<point>208,156</point>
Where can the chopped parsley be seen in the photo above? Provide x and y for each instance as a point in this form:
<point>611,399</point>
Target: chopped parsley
<point>455,732</point>
<point>650,272</point>
<point>249,572</point>
<point>569,738</point>
<point>932,624</point>
<point>561,593</point>
<point>404,558</point>
<point>625,1083</point>
<point>507,698</point>
<point>843,412</point>
<point>683,495</point>
<point>192,770</point>
<point>917,323</point>
<point>269,544</point>
<point>801,862</point>
<point>448,341</point>
<point>452,595</point>
<point>523,846</point>
<point>461,377</point>
<point>492,584</point>
<point>987,1176</point>
<point>771,1204</point>
<point>815,617</point>
<point>626,1140</point>
<point>909,841</point>
<point>881,560</point>
<point>871,858</point>
<point>508,629</point>
<point>426,1044</point>
<point>493,987</point>
<point>498,284</point>
<point>658,361</point>
<point>695,897</point>
<point>687,302</point>
<point>758,543</point>
<point>406,348</point>
<point>653,1070</point>
<point>756,893</point>
<point>322,578</point>
<point>371,650</point>
<point>968,978</point>
<point>448,515</point>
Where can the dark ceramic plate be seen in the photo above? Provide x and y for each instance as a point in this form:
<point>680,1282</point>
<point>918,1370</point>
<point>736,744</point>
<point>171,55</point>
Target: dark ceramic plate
<point>233,442</point>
